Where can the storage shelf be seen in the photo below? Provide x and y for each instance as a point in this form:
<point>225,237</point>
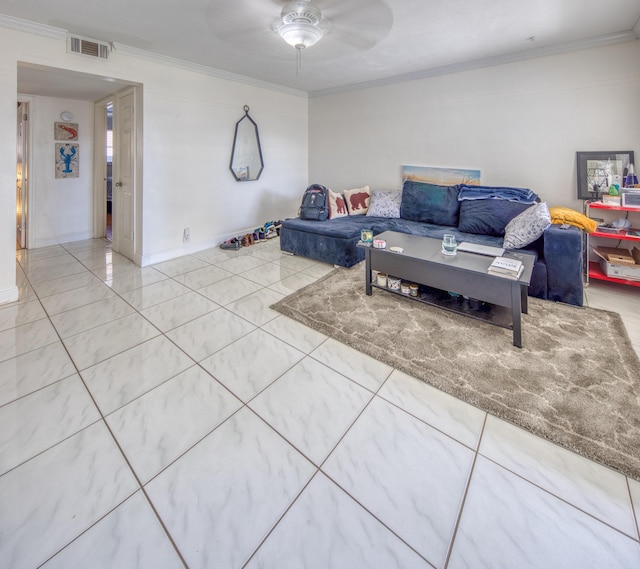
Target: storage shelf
<point>498,315</point>
<point>600,205</point>
<point>595,272</point>
<point>592,268</point>
<point>622,235</point>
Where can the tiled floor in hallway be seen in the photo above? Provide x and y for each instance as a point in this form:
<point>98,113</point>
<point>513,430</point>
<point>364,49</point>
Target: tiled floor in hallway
<point>166,417</point>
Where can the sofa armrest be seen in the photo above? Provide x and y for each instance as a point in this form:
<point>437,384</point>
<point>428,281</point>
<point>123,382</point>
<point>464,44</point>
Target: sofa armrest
<point>563,257</point>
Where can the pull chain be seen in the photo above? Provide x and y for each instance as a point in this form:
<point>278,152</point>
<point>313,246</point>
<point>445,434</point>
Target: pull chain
<point>298,60</point>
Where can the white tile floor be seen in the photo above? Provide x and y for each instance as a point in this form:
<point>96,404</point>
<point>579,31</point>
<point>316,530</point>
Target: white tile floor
<point>166,417</point>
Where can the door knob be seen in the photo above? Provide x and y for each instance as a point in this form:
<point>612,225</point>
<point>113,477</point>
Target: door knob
<point>118,184</point>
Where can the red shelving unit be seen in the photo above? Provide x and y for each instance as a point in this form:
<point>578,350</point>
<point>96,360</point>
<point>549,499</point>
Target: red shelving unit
<point>594,271</point>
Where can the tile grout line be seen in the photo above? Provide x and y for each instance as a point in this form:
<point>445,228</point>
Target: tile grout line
<point>564,500</point>
<point>635,508</point>
<point>456,526</point>
<point>280,518</point>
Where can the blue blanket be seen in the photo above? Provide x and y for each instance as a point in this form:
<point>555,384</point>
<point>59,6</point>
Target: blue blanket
<point>521,195</point>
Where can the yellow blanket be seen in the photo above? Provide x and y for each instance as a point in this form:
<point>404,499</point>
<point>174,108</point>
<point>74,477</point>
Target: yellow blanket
<point>560,214</point>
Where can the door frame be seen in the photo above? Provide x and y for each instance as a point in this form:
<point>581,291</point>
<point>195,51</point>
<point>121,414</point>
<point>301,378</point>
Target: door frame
<point>100,168</point>
<point>100,187</point>
<point>30,202</point>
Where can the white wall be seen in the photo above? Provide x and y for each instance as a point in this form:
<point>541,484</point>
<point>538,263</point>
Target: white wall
<point>188,133</point>
<point>188,125</point>
<point>60,210</point>
<point>521,124</point>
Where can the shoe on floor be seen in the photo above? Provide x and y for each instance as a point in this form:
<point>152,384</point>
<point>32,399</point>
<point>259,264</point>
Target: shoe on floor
<point>232,244</point>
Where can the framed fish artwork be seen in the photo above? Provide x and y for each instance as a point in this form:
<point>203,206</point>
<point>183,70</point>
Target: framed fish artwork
<point>65,131</point>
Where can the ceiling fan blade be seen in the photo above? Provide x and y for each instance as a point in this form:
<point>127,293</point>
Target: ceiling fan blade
<point>358,23</point>
<point>353,26</point>
<point>239,20</point>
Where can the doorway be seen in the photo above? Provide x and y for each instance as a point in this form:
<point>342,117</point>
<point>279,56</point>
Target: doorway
<point>117,171</point>
<point>22,173</point>
<point>109,166</point>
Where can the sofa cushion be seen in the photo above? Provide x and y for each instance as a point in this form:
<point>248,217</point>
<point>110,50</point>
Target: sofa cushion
<point>527,227</point>
<point>430,203</point>
<point>337,205</point>
<point>348,227</point>
<point>488,217</point>
<point>385,204</point>
<point>357,200</point>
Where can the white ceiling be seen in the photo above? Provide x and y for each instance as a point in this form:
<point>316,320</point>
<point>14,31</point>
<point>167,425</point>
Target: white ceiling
<point>369,41</point>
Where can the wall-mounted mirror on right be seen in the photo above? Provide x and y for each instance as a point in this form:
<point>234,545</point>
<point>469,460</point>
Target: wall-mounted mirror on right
<point>246,156</point>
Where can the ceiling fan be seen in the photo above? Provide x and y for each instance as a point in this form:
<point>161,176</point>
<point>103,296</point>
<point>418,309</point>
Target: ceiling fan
<point>254,27</point>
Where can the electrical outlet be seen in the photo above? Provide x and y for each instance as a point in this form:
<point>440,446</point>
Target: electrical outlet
<point>186,235</point>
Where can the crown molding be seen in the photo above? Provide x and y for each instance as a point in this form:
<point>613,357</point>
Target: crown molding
<point>204,70</point>
<point>58,33</point>
<point>524,55</point>
<point>31,27</point>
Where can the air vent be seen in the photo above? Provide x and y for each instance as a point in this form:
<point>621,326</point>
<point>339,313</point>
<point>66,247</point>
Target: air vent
<point>89,47</point>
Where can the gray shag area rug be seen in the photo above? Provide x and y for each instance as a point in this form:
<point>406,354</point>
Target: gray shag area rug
<point>575,382</point>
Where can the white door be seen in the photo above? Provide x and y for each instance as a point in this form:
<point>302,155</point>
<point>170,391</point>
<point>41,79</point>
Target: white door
<point>22,178</point>
<point>124,174</point>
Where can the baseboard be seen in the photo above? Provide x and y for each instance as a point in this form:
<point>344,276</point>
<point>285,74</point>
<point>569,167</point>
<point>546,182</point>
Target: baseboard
<point>9,295</point>
<point>187,249</point>
<point>174,253</point>
<point>61,239</point>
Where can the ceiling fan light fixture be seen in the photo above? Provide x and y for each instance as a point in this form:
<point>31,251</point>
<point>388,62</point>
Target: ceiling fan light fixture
<point>300,34</point>
<point>301,24</point>
<point>301,11</point>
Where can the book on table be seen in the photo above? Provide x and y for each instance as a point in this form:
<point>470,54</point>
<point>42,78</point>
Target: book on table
<point>506,267</point>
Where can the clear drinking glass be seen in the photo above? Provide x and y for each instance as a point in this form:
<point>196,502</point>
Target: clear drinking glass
<point>449,245</point>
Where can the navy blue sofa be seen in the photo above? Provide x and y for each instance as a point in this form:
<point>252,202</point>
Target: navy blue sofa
<point>429,211</point>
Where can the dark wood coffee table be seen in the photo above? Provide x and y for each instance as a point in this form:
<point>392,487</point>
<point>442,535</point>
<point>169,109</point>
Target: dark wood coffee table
<point>465,274</point>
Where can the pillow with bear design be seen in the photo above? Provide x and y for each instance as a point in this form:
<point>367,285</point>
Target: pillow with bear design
<point>337,205</point>
<point>357,200</point>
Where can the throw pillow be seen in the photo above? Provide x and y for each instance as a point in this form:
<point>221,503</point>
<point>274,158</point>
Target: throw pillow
<point>337,205</point>
<point>488,217</point>
<point>430,203</point>
<point>385,204</point>
<point>527,227</point>
<point>357,200</point>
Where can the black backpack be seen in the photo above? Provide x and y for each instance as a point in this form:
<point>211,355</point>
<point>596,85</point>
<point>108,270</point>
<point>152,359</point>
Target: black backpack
<point>315,203</point>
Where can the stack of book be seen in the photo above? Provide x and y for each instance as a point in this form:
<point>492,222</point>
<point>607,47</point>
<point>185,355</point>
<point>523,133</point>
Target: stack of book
<point>506,267</point>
